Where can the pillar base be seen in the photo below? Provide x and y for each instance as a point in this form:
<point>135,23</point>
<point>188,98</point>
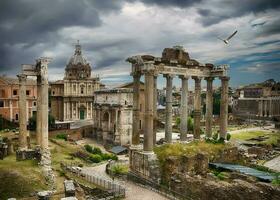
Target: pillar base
<point>144,164</point>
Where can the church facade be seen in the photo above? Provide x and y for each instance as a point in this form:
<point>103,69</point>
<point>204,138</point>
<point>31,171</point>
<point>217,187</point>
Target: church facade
<point>72,98</point>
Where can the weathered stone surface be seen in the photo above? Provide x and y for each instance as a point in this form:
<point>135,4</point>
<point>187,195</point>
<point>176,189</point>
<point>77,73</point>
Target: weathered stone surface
<point>27,154</point>
<point>69,188</point>
<point>44,195</point>
<point>229,155</point>
<point>258,151</point>
<point>69,198</point>
<point>3,150</point>
<point>205,189</point>
<point>177,54</point>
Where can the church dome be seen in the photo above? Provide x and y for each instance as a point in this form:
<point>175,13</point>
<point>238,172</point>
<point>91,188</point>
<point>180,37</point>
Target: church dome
<point>78,58</point>
<point>78,67</point>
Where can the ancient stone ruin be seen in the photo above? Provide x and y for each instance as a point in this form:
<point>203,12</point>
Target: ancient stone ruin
<point>174,62</point>
<point>40,71</point>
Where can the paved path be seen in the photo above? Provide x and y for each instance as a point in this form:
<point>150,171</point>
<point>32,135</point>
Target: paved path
<point>266,128</point>
<point>273,164</point>
<point>133,191</point>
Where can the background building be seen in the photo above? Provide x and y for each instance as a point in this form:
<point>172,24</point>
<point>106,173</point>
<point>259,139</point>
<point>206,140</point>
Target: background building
<point>72,98</point>
<point>258,101</point>
<point>113,114</point>
<point>9,98</point>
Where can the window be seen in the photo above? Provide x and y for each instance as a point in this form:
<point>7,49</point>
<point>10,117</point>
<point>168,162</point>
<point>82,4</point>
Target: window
<point>106,98</point>
<point>16,117</point>
<point>14,92</point>
<point>125,102</point>
<point>1,104</point>
<point>53,92</point>
<point>34,103</point>
<point>27,92</point>
<point>140,124</point>
<point>82,89</point>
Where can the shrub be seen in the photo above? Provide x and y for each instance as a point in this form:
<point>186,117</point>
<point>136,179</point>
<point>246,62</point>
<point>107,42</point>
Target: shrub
<point>215,136</point>
<point>61,136</point>
<point>114,157</point>
<point>95,158</point>
<point>88,148</point>
<point>119,169</point>
<point>276,181</point>
<point>96,150</point>
<point>228,136</point>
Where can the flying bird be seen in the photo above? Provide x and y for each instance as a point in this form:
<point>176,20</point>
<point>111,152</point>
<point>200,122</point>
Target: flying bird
<point>227,40</point>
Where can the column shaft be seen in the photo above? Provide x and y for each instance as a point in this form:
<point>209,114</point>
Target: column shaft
<point>22,112</point>
<point>39,112</point>
<point>197,107</point>
<point>136,110</point>
<point>209,107</point>
<point>224,108</point>
<point>168,110</point>
<point>44,107</point>
<point>149,113</point>
<point>155,110</point>
<point>184,109</point>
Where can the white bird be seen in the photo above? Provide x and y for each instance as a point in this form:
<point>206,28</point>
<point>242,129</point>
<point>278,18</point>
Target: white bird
<point>227,40</point>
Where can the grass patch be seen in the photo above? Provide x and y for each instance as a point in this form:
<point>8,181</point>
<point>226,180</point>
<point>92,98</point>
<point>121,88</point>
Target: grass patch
<point>20,179</point>
<point>190,149</point>
<point>245,136</point>
<point>119,169</point>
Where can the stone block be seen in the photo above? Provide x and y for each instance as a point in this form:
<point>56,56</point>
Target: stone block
<point>69,188</point>
<point>258,151</point>
<point>44,195</point>
<point>69,198</point>
<point>229,155</point>
<point>27,154</point>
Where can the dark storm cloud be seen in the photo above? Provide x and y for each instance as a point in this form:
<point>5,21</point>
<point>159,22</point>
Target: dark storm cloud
<point>222,10</point>
<point>174,3</point>
<point>25,24</point>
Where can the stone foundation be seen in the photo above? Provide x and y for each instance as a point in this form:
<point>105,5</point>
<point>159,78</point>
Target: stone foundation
<point>28,154</point>
<point>144,164</point>
<point>45,162</point>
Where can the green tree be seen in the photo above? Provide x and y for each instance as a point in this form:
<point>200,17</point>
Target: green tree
<point>189,121</point>
<point>32,122</point>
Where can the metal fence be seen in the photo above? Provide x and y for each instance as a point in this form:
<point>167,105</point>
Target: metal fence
<point>109,186</point>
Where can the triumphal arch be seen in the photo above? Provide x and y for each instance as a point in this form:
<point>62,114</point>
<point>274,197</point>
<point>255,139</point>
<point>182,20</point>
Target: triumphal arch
<point>173,62</point>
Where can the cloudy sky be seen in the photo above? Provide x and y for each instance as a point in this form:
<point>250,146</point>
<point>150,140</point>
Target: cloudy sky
<point>112,30</point>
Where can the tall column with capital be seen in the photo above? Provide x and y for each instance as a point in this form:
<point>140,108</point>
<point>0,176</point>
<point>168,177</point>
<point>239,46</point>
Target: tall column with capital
<point>44,102</point>
<point>209,106</point>
<point>149,111</point>
<point>224,108</point>
<point>39,112</point>
<point>22,112</point>
<point>155,110</point>
<point>168,110</point>
<point>184,109</point>
<point>197,107</point>
<point>136,109</point>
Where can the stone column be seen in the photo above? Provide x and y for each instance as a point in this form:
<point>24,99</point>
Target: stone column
<point>39,112</point>
<point>44,103</point>
<point>155,110</point>
<point>22,112</point>
<point>224,108</point>
<point>136,109</point>
<point>265,108</point>
<point>184,109</point>
<point>149,113</point>
<point>209,107</point>
<point>197,107</point>
<point>270,107</point>
<point>168,110</point>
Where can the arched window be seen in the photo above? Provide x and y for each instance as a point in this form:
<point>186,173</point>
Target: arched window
<point>16,117</point>
<point>82,89</point>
